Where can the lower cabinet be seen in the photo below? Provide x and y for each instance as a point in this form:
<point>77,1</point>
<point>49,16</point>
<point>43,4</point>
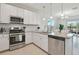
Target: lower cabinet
<point>28,37</point>
<point>44,42</point>
<point>41,41</point>
<point>37,38</point>
<point>4,42</point>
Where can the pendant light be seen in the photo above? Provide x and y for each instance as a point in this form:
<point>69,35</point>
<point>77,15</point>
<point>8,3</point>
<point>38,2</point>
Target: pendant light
<point>44,14</point>
<point>62,14</point>
<point>51,11</point>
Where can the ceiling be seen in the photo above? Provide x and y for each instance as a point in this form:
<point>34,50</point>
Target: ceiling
<point>54,9</point>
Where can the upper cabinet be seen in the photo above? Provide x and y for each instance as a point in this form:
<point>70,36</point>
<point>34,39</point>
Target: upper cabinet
<point>34,18</point>
<point>26,17</point>
<point>12,10</point>
<point>30,17</point>
<point>6,11</point>
<point>20,12</point>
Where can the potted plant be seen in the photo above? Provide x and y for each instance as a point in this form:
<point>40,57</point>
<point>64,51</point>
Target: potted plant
<point>61,27</point>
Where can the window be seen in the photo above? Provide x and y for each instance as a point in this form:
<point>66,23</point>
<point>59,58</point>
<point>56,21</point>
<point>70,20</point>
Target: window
<point>73,25</point>
<point>51,22</point>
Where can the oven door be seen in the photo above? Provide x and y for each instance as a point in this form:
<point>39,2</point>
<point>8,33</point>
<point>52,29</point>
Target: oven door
<point>12,39</point>
<point>18,38</point>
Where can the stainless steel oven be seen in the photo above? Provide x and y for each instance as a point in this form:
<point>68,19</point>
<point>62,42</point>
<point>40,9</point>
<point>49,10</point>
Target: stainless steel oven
<point>17,38</point>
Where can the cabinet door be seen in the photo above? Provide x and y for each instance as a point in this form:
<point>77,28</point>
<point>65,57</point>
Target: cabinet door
<point>4,13</point>
<point>33,18</point>
<point>4,42</point>
<point>36,39</point>
<point>41,41</point>
<point>30,17</point>
<point>44,42</point>
<point>26,17</point>
<point>20,12</point>
<point>28,38</point>
<point>12,10</point>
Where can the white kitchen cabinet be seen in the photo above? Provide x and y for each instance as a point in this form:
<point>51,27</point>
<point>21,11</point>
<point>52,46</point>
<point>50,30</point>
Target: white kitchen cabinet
<point>36,39</point>
<point>28,38</point>
<point>4,42</point>
<point>34,18</point>
<point>29,17</point>
<point>26,17</point>
<point>41,41</point>
<point>20,12</point>
<point>44,42</point>
<point>12,10</point>
<point>6,12</point>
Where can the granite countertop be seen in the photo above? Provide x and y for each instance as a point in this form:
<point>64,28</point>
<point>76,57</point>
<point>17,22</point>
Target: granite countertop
<point>60,34</point>
<point>44,33</point>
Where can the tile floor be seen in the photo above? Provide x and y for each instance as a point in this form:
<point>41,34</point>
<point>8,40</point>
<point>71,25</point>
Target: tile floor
<point>28,50</point>
<point>72,46</point>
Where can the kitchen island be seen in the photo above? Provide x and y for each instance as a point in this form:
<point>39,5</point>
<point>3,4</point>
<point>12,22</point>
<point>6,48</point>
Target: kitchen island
<point>57,41</point>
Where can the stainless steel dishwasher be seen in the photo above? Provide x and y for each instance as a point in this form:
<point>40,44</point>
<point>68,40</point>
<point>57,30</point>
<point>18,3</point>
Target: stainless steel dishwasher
<point>56,45</point>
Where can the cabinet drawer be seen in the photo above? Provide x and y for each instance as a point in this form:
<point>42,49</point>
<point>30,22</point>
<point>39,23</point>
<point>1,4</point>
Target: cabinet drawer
<point>41,40</point>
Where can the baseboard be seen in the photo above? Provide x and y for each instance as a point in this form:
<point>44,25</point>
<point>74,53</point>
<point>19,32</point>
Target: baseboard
<point>4,50</point>
<point>41,48</point>
<point>28,43</point>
